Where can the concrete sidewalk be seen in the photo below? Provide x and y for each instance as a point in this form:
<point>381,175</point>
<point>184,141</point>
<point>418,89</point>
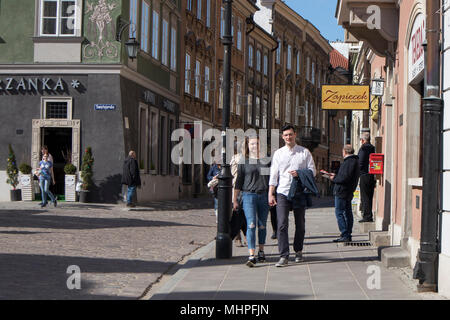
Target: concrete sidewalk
<point>329,271</point>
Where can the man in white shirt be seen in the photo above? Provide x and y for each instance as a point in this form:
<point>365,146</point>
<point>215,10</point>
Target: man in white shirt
<point>285,163</point>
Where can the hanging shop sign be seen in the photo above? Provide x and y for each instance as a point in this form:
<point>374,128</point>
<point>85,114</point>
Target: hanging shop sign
<point>416,60</point>
<point>345,97</point>
<point>376,163</point>
<point>14,85</point>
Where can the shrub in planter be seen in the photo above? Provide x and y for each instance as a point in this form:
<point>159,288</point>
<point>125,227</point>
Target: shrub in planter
<point>86,174</point>
<point>13,175</point>
<point>25,168</point>
<point>70,169</point>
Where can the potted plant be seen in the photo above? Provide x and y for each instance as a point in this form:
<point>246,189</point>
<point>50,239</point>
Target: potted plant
<point>13,176</point>
<point>70,180</point>
<point>26,182</point>
<point>86,174</point>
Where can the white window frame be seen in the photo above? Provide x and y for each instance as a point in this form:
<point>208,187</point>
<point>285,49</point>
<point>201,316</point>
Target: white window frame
<point>165,43</point>
<point>173,49</point>
<point>76,16</point>
<point>298,62</point>
<point>238,98</point>
<point>187,74</point>
<point>207,83</point>
<point>155,34</point>
<point>197,78</point>
<point>44,101</point>
<point>133,19</point>
<point>145,20</point>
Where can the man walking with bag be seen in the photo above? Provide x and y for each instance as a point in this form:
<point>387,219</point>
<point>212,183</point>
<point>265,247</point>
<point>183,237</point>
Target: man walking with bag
<point>286,162</point>
<point>131,177</point>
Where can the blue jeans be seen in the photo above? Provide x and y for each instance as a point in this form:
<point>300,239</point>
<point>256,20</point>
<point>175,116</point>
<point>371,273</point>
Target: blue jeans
<point>256,208</point>
<point>130,193</point>
<point>344,216</point>
<point>44,183</point>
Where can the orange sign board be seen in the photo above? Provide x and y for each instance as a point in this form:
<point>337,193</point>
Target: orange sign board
<point>345,97</point>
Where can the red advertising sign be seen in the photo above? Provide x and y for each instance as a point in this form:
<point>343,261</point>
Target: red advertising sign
<point>376,163</point>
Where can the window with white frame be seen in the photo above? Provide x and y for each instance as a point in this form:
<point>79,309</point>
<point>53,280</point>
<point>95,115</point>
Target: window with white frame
<point>289,57</point>
<point>266,65</point>
<point>278,55</point>
<point>257,111</point>
<point>207,84</point>
<point>58,17</point>
<point>277,103</point>
<point>238,98</point>
<point>250,55</point>
<point>133,18</point>
<point>222,22</point>
<point>56,108</point>
<point>258,60</point>
<point>264,114</point>
<point>165,43</point>
<point>250,109</point>
<point>199,9</point>
<point>287,116</point>
<point>187,74</point>
<point>155,35</point>
<point>208,13</point>
<point>144,25</point>
<point>197,79</point>
<point>239,34</point>
<point>298,62</point>
<point>173,49</point>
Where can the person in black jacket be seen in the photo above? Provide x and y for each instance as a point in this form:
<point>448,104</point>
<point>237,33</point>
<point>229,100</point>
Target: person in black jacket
<point>345,183</point>
<point>131,177</point>
<point>367,181</point>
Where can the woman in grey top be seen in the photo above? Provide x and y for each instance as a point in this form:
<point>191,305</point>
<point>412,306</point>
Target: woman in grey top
<point>253,180</point>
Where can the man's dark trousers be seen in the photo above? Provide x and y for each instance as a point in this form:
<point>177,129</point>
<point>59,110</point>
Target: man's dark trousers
<point>367,186</point>
<point>283,208</point>
<point>344,216</point>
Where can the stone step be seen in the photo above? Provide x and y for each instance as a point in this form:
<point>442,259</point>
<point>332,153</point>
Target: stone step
<point>380,238</point>
<point>366,227</point>
<point>395,257</point>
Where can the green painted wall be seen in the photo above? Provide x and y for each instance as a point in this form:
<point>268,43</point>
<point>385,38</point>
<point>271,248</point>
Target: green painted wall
<point>16,31</point>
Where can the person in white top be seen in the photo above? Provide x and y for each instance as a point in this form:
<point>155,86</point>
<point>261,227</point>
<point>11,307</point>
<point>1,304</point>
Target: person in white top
<point>44,151</point>
<point>285,163</point>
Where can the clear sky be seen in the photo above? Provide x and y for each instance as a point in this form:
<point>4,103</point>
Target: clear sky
<point>321,14</point>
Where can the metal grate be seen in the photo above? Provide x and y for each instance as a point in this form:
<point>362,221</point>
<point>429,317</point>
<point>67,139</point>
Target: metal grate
<point>358,244</point>
<point>56,110</point>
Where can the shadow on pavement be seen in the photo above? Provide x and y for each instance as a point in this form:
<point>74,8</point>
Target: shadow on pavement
<point>226,295</point>
<point>30,219</point>
<point>26,277</point>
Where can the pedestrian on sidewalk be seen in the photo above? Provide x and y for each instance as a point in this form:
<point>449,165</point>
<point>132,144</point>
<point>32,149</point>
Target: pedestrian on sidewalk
<point>238,214</point>
<point>253,180</point>
<point>213,182</point>
<point>367,181</point>
<point>131,177</point>
<point>46,176</point>
<point>286,162</point>
<point>345,183</point>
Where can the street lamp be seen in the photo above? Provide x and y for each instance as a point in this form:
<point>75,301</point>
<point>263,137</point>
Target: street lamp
<point>132,45</point>
<point>377,87</point>
<point>223,240</point>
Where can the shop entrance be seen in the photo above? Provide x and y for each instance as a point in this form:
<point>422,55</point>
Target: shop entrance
<point>59,143</point>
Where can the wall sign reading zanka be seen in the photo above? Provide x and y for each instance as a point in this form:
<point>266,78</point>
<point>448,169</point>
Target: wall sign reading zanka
<point>35,84</point>
<point>345,97</point>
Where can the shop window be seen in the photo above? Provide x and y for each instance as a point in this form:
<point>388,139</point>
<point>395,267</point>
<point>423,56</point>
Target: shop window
<point>56,108</point>
<point>153,140</point>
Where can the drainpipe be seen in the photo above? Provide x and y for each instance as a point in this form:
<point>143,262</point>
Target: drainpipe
<point>426,268</point>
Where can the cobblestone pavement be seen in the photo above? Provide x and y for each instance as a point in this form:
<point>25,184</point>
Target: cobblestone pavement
<point>120,252</point>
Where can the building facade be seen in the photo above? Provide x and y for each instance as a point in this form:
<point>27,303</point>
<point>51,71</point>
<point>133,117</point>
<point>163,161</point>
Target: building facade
<point>394,52</point>
<point>76,87</point>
